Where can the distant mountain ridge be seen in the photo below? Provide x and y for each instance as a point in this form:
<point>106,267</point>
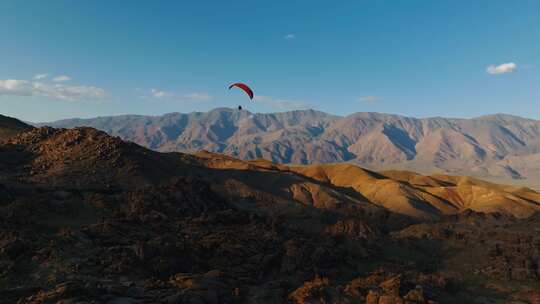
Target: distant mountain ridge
<point>501,147</point>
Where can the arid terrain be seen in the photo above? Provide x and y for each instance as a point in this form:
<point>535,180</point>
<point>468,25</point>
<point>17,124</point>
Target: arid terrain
<point>501,148</point>
<point>90,218</point>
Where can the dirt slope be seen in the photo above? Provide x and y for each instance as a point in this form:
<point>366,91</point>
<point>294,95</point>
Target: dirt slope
<point>401,192</point>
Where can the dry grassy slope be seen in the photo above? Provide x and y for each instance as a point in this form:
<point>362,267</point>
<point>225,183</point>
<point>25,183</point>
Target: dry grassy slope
<point>389,193</point>
<point>402,192</point>
<point>277,184</point>
<point>470,193</point>
<point>424,196</point>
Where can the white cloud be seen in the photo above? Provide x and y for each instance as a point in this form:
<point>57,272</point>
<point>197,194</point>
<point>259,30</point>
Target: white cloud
<point>14,87</point>
<point>282,104</point>
<point>159,93</point>
<point>61,78</point>
<point>191,97</point>
<point>40,76</point>
<point>502,69</point>
<point>290,36</point>
<point>369,99</point>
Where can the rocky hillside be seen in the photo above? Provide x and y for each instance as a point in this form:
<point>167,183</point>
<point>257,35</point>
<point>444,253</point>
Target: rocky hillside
<point>497,147</point>
<point>86,217</point>
<point>10,127</point>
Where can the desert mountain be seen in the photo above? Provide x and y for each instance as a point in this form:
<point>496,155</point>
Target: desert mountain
<point>86,217</point>
<point>10,127</point>
<point>498,147</point>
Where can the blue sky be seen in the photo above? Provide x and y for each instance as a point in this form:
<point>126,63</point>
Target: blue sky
<point>411,57</point>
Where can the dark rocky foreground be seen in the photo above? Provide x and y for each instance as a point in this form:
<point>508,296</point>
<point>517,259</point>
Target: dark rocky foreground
<point>88,218</point>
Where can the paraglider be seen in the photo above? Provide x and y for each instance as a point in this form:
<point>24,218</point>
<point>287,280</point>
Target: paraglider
<point>244,87</point>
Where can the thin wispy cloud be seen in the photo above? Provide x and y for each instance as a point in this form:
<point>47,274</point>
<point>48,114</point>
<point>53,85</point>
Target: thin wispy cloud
<point>282,104</point>
<point>61,78</point>
<point>14,87</point>
<point>369,99</point>
<point>160,94</point>
<point>502,68</point>
<point>40,76</point>
<point>166,95</point>
<point>290,36</point>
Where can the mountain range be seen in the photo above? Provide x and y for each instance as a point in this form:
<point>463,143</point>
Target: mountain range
<point>500,148</point>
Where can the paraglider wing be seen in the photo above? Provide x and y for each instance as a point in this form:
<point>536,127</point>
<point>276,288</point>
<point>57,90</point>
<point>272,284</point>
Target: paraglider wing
<point>243,87</point>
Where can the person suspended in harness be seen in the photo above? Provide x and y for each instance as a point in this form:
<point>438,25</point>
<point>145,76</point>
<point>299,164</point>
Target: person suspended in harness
<point>244,87</point>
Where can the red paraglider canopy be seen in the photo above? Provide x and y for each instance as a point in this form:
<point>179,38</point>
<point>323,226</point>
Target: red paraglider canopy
<point>244,87</point>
